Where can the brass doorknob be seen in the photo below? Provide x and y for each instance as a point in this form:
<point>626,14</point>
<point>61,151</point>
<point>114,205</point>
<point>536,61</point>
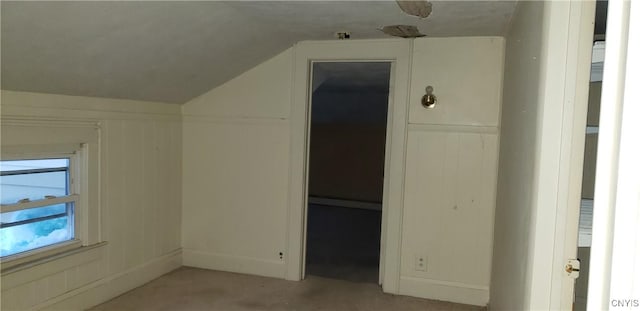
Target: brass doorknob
<point>569,268</point>
<point>429,100</point>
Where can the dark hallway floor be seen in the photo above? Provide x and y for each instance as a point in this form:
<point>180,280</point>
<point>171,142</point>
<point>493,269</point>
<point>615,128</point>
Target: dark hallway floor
<point>343,243</point>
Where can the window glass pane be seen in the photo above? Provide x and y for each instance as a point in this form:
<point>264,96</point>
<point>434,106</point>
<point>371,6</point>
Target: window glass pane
<point>32,186</point>
<point>20,181</point>
<point>26,237</point>
<point>32,228</point>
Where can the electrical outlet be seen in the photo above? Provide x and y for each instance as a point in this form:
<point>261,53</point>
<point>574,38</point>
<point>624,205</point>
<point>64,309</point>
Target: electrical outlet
<point>421,263</point>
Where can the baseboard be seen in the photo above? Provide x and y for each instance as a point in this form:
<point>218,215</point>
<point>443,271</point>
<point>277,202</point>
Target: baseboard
<point>233,263</point>
<point>445,291</point>
<point>345,203</point>
<point>112,286</point>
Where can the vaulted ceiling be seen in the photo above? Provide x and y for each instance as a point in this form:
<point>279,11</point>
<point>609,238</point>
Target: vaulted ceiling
<point>174,51</point>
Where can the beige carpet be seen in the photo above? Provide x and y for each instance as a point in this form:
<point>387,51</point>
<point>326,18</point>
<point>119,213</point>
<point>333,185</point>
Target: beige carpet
<point>198,289</point>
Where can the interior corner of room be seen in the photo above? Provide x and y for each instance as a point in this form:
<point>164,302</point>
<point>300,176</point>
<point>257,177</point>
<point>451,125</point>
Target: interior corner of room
<point>290,155</point>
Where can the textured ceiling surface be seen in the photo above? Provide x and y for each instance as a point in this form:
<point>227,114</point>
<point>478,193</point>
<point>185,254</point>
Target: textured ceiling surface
<point>174,51</point>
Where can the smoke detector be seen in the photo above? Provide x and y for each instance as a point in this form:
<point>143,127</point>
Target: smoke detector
<point>402,31</point>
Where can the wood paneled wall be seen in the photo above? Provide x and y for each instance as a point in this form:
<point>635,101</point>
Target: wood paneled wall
<point>140,202</point>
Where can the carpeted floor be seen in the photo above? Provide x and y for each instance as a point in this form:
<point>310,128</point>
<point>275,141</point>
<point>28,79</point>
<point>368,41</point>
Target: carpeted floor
<point>198,289</point>
<point>343,243</point>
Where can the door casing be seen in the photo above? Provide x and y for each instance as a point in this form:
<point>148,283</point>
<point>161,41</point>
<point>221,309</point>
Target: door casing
<point>398,53</point>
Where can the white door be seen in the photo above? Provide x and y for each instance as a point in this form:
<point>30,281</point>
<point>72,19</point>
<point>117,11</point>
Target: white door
<point>614,275</point>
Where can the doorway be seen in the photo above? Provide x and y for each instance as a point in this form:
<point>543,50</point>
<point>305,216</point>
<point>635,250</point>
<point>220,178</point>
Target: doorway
<point>349,103</point>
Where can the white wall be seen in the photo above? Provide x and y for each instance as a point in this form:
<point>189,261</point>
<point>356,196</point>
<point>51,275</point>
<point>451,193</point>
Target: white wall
<point>140,186</point>
<point>542,148</point>
<point>517,156</point>
<point>235,164</point>
<point>451,169</point>
<point>236,170</point>
<point>466,75</point>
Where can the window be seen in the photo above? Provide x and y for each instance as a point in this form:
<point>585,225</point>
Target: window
<point>49,191</point>
<point>38,205</point>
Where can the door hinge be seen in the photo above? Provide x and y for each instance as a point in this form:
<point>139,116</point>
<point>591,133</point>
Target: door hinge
<point>572,268</point>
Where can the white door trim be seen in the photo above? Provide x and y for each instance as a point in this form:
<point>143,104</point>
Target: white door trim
<point>574,124</point>
<point>565,65</point>
<point>398,52</point>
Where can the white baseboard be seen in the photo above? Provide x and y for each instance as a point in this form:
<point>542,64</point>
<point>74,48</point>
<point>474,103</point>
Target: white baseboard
<point>112,286</point>
<point>233,263</point>
<point>445,291</point>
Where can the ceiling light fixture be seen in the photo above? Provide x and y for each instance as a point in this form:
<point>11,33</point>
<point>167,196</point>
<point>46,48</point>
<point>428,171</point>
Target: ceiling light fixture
<point>402,31</point>
<point>420,8</point>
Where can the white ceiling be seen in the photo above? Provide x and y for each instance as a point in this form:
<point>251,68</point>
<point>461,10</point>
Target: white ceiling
<point>174,51</point>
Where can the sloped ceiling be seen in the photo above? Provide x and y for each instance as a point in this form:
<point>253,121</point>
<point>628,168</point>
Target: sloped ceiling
<point>174,51</point>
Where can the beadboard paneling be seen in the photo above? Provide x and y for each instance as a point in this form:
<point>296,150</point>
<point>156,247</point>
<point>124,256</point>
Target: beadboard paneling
<point>448,214</point>
<point>140,199</point>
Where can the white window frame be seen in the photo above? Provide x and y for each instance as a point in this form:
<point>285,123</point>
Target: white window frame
<point>79,141</point>
<point>75,196</point>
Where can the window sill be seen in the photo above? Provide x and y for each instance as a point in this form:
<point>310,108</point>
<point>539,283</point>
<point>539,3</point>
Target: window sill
<point>38,253</point>
<point>59,258</point>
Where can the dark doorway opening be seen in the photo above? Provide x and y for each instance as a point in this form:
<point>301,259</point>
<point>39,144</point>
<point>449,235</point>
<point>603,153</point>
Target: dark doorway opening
<point>347,141</point>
